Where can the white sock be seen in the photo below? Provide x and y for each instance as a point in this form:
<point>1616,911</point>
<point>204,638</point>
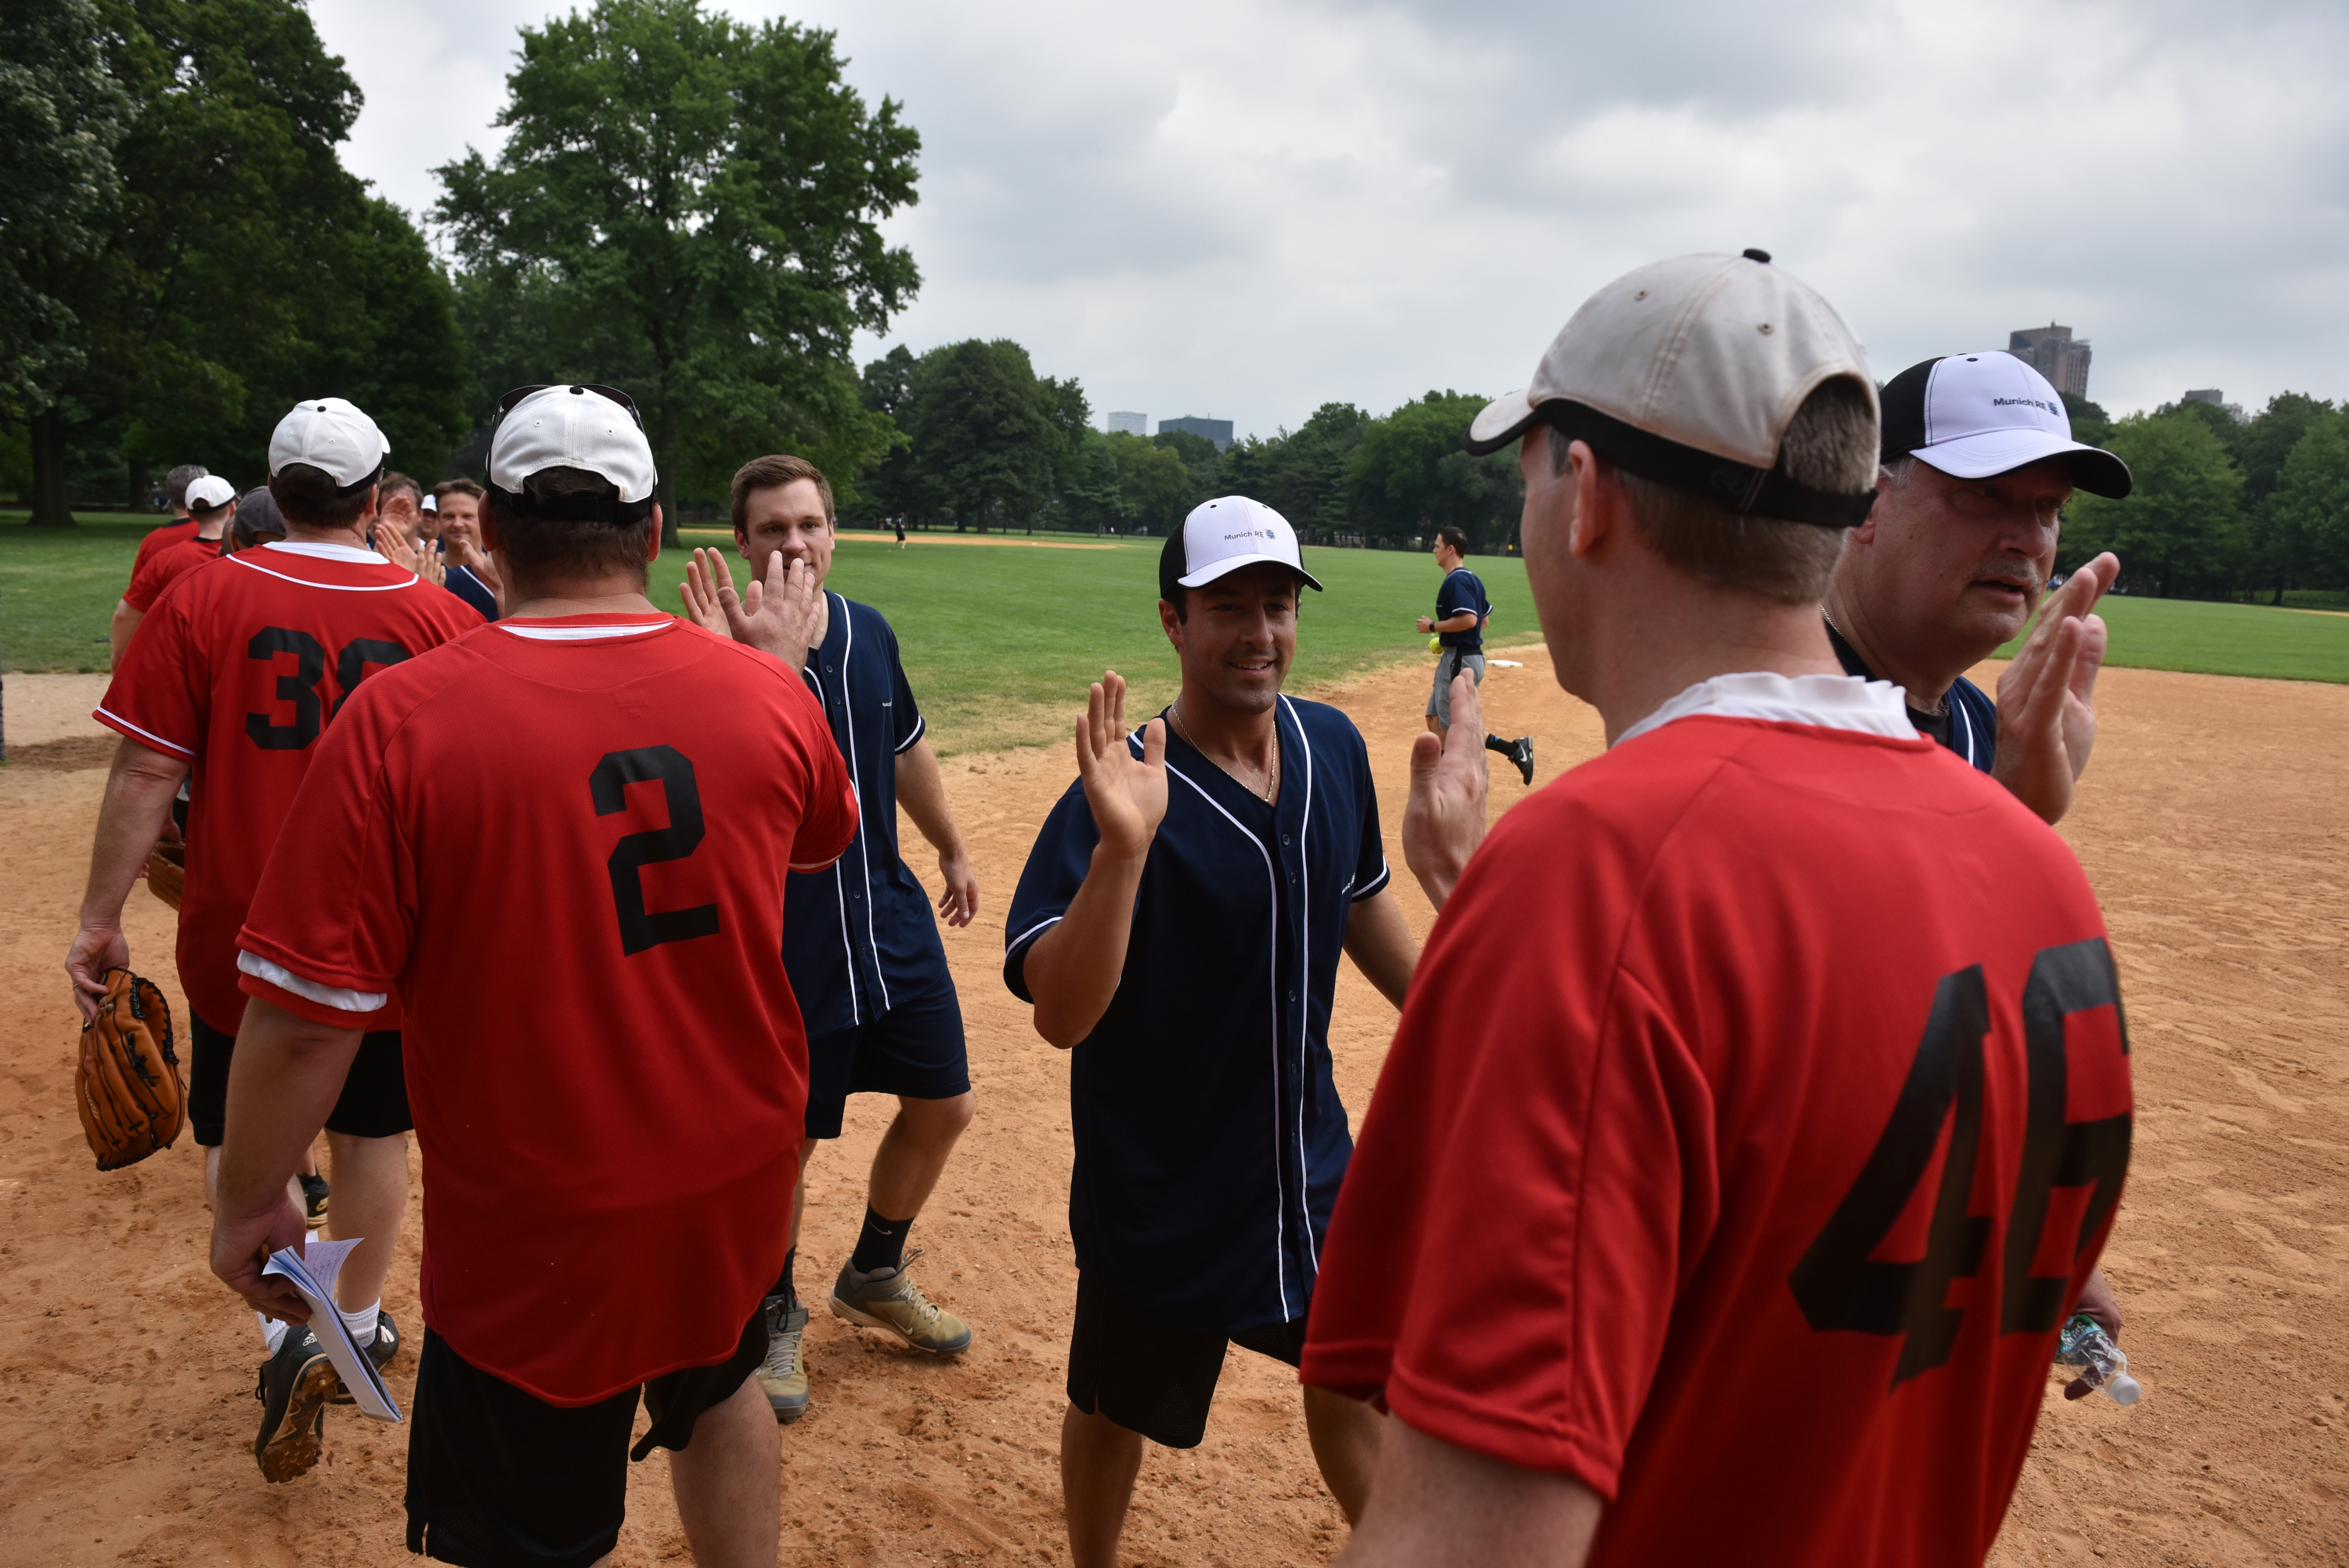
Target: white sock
<point>272,1331</point>
<point>362,1323</point>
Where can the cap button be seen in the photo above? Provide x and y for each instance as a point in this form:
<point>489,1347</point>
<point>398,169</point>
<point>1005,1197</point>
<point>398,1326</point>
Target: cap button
<point>1752,254</point>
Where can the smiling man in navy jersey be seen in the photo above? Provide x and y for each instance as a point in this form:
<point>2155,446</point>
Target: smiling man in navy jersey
<point>1178,927</point>
<point>859,939</point>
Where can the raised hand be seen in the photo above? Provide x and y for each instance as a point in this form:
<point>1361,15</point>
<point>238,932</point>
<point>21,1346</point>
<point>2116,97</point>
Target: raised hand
<point>1128,797</point>
<point>1443,820</point>
<point>783,615</point>
<point>393,546</point>
<point>707,577</point>
<point>2046,698</point>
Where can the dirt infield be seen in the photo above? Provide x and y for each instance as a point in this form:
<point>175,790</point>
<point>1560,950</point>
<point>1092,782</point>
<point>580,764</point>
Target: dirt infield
<point>2212,825</point>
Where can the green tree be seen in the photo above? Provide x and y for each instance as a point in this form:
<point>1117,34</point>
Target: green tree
<point>2180,531</point>
<point>2090,423</point>
<point>692,207</point>
<point>1303,475</point>
<point>2308,511</point>
<point>1154,483</point>
<point>988,442</point>
<point>2261,450</point>
<point>1411,474</point>
<point>1201,462</point>
<point>61,115</point>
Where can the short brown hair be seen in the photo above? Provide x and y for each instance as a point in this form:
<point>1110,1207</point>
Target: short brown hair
<point>535,543</point>
<point>1830,445</point>
<point>772,472</point>
<point>397,481</point>
<point>307,494</point>
<point>456,487</point>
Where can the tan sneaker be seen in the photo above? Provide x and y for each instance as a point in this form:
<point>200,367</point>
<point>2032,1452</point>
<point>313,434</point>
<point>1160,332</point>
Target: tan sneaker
<point>783,1374</point>
<point>886,1299</point>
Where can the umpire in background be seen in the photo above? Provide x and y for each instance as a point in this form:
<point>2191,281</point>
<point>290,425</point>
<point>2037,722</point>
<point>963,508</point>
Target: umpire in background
<point>859,941</point>
<point>1177,929</point>
<point>1458,625</point>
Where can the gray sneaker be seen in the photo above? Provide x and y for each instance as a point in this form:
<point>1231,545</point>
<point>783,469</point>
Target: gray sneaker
<point>886,1299</point>
<point>783,1376</point>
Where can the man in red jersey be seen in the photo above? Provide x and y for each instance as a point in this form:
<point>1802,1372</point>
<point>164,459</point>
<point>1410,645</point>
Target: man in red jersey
<point>1742,1147</point>
<point>608,1069</point>
<point>211,503</point>
<point>180,529</point>
<point>233,677</point>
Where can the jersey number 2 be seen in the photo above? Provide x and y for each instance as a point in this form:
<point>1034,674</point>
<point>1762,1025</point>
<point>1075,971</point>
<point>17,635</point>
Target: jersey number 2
<point>608,784</point>
<point>1839,1285</point>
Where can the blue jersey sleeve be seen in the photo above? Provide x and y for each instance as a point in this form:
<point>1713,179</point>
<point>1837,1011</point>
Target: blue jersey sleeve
<point>1063,853</point>
<point>906,721</point>
<point>1372,873</point>
<point>1461,591</point>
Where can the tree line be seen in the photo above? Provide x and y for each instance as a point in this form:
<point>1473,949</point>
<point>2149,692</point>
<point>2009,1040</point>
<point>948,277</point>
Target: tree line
<point>2221,508</point>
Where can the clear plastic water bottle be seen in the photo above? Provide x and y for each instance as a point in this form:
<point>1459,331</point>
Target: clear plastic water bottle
<point>2085,1345</point>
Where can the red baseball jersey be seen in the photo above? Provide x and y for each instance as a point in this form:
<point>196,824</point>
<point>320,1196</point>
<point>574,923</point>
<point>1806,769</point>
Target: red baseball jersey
<point>162,537</point>
<point>562,844</point>
<point>1761,1105</point>
<point>166,566</point>
<point>239,669</point>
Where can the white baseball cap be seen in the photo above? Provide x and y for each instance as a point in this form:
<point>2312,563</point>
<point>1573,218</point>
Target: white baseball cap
<point>430,504</point>
<point>209,493</point>
<point>1975,415</point>
<point>1222,536</point>
<point>1688,372</point>
<point>569,427</point>
<point>329,433</point>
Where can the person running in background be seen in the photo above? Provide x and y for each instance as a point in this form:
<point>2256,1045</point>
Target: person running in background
<point>1458,625</point>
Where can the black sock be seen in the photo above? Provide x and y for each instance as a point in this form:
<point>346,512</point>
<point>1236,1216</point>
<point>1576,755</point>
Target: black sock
<point>1506,747</point>
<point>881,1244</point>
<point>784,1286</point>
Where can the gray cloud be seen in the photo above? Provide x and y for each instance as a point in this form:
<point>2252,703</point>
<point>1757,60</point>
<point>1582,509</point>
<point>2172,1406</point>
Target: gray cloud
<point>1249,208</point>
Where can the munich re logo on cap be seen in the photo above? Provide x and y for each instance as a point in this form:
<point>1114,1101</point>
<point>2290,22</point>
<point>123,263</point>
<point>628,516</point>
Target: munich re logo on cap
<point>1225,535</point>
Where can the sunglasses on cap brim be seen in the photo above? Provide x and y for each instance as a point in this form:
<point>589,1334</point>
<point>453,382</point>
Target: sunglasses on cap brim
<point>506,403</point>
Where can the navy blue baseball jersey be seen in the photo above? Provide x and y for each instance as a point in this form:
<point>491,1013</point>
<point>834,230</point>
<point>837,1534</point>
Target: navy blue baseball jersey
<point>1462,590</point>
<point>472,591</point>
<point>1209,1136</point>
<point>1967,724</point>
<point>860,939</point>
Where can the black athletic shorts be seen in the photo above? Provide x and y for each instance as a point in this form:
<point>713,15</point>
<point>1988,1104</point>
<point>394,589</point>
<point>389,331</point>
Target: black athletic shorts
<point>916,1050</point>
<point>497,1476</point>
<point>1148,1375</point>
<point>374,1102</point>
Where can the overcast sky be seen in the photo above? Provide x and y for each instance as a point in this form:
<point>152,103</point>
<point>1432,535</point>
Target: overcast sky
<point>1244,210</point>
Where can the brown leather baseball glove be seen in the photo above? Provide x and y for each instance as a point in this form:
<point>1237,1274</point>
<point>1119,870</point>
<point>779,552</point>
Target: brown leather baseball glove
<point>167,872</point>
<point>128,1088</point>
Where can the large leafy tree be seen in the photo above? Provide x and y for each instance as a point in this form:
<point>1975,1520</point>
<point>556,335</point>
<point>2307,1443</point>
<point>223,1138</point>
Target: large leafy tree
<point>1410,475</point>
<point>245,267</point>
<point>987,445</point>
<point>2180,530</point>
<point>2308,510</point>
<point>688,208</point>
<point>1301,474</point>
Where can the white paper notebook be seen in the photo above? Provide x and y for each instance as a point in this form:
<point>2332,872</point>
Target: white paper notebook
<point>314,1275</point>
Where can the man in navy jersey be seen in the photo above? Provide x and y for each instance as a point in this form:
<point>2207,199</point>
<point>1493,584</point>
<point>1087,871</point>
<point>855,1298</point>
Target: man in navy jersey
<point>1458,626</point>
<point>1177,928</point>
<point>1978,461</point>
<point>859,939</point>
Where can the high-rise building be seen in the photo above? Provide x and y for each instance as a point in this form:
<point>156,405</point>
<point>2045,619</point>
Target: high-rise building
<point>2051,351</point>
<point>1132,424</point>
<point>1216,430</point>
<point>2217,399</point>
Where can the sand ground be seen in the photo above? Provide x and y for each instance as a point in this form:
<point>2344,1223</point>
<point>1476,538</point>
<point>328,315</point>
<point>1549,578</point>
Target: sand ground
<point>2212,826</point>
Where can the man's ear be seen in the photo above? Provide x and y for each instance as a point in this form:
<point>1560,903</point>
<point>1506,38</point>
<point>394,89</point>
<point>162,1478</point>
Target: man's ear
<point>652,536</point>
<point>1598,500</point>
<point>485,524</point>
<point>1172,624</point>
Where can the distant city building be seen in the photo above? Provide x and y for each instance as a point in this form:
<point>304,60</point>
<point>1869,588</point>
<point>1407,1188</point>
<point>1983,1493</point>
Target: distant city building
<point>1132,424</point>
<point>2051,351</point>
<point>1216,430</point>
<point>2217,399</point>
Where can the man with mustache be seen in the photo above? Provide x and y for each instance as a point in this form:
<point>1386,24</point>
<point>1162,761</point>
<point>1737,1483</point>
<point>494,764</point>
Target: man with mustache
<point>1978,462</point>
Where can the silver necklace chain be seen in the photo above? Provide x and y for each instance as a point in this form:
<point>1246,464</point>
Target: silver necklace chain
<point>1271,788</point>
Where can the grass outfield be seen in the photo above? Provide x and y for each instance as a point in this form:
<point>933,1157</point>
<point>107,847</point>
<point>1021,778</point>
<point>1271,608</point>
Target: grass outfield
<point>1000,636</point>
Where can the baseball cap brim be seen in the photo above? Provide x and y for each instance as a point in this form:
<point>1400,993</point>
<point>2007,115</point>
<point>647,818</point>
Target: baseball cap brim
<point>1231,564</point>
<point>1991,452</point>
<point>1499,422</point>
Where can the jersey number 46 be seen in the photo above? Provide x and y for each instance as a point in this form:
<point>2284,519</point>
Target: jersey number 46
<point>1840,1285</point>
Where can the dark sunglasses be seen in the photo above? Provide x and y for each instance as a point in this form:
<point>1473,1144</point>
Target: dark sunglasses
<point>506,403</point>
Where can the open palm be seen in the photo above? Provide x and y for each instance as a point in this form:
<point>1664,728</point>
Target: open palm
<point>1128,796</point>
